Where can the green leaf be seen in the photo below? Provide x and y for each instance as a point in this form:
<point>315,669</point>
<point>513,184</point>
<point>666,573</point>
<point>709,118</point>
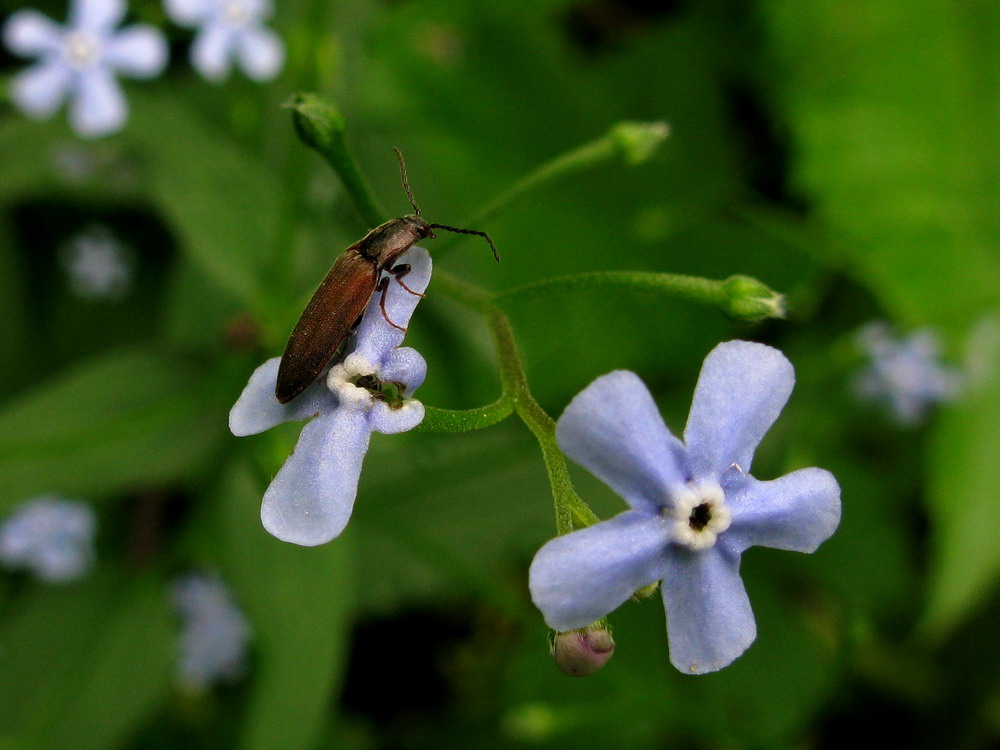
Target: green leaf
<point>225,209</point>
<point>85,665</point>
<point>962,499</point>
<point>893,119</point>
<point>114,422</point>
<point>299,601</point>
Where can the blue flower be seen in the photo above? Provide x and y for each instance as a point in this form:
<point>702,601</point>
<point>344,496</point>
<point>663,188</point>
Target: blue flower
<point>694,506</point>
<point>230,29</point>
<point>80,63</point>
<point>214,633</point>
<point>50,536</point>
<point>98,264</point>
<point>905,374</point>
<point>310,500</point>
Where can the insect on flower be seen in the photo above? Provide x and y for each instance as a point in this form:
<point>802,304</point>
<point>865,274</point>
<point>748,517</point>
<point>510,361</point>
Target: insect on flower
<point>336,307</point>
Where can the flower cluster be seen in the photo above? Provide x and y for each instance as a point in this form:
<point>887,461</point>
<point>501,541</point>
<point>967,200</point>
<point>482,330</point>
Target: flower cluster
<point>694,505</point>
<point>311,499</point>
<point>80,62</point>
<point>904,374</point>
<point>214,633</point>
<point>50,536</point>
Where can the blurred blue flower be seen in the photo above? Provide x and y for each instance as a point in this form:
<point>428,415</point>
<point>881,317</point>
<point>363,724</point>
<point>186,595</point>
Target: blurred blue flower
<point>80,61</point>
<point>905,374</point>
<point>695,507</point>
<point>310,500</point>
<point>50,536</point>
<point>228,30</point>
<point>98,264</point>
<point>214,632</point>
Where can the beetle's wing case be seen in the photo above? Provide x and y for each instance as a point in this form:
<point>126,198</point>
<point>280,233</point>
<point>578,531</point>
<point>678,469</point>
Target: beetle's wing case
<point>326,322</point>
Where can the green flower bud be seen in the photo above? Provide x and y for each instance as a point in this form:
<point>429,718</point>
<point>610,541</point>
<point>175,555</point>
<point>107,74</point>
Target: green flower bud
<point>317,120</point>
<point>637,141</point>
<point>751,300</point>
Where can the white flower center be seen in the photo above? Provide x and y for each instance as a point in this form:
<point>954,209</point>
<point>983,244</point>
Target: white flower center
<point>700,514</point>
<point>82,49</point>
<point>236,12</point>
<point>358,385</point>
<point>341,381</point>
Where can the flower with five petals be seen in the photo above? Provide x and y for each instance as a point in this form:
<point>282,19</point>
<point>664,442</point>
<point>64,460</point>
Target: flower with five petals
<point>80,62</point>
<point>230,30</point>
<point>694,506</point>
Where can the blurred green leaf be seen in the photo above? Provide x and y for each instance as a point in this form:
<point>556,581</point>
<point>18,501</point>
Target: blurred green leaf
<point>894,120</point>
<point>225,209</point>
<point>964,505</point>
<point>84,665</point>
<point>127,419</point>
<point>299,602</point>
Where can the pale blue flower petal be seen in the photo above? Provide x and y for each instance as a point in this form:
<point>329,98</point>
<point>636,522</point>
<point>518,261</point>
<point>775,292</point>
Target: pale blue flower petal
<point>261,53</point>
<point>709,619</point>
<point>404,365</point>
<point>260,9</point>
<point>614,429</point>
<point>28,33</point>
<point>51,536</point>
<point>797,512</point>
<point>214,636</point>
<point>390,421</point>
<point>138,51</point>
<point>578,578</point>
<point>375,337</point>
<point>98,108</point>
<point>98,16</point>
<point>742,389</point>
<point>257,409</point>
<point>41,89</point>
<point>311,499</point>
<point>188,12</point>
<point>211,51</point>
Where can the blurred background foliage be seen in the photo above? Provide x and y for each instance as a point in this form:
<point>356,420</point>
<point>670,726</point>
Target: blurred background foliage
<point>846,154</point>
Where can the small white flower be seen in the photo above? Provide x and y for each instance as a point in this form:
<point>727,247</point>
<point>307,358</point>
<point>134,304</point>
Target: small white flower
<point>79,62</point>
<point>214,635</point>
<point>50,536</point>
<point>98,264</point>
<point>228,30</point>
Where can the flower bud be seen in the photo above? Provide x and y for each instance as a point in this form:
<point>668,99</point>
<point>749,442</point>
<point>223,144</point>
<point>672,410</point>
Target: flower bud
<point>317,120</point>
<point>582,652</point>
<point>752,300</point>
<point>638,141</point>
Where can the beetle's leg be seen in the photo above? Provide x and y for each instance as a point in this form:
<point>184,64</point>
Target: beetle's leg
<point>398,272</point>
<point>383,287</point>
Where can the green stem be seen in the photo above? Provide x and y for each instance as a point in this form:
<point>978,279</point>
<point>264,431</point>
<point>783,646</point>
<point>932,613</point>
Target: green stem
<point>321,127</point>
<point>739,296</point>
<point>632,142</point>
<point>570,510</point>
<point>690,287</point>
<point>587,155</point>
<point>465,420</point>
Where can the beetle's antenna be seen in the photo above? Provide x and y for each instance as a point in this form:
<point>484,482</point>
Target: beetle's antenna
<point>406,184</point>
<point>469,231</point>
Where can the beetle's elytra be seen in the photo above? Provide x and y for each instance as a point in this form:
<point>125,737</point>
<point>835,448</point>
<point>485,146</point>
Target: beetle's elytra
<point>342,296</point>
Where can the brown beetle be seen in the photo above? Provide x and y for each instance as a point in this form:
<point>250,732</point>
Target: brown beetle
<point>337,305</point>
